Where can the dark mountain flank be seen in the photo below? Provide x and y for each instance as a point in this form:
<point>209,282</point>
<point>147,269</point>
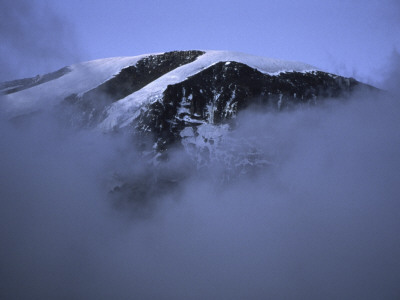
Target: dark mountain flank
<point>128,81</point>
<point>186,100</point>
<point>218,93</point>
<point>215,87</point>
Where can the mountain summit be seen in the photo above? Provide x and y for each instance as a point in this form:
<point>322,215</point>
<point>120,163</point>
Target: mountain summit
<point>187,98</point>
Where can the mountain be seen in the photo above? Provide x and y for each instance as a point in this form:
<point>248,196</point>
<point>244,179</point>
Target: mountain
<point>181,98</point>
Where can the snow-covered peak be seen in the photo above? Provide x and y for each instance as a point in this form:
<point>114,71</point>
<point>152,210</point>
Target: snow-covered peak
<point>88,75</point>
<point>263,64</point>
<point>125,110</point>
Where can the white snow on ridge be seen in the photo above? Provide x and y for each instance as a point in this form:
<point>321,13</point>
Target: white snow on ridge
<point>121,113</point>
<point>88,75</point>
<point>263,64</point>
<point>83,77</point>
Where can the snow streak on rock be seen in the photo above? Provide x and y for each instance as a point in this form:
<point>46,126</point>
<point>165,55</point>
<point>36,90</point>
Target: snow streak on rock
<point>186,99</point>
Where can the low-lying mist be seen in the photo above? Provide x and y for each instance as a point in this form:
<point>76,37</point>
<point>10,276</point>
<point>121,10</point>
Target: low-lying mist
<point>321,221</point>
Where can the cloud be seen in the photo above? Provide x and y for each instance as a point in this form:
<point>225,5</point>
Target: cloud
<point>391,73</point>
<point>320,222</point>
<point>33,39</point>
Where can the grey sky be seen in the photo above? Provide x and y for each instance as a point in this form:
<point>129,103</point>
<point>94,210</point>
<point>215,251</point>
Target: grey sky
<point>353,38</point>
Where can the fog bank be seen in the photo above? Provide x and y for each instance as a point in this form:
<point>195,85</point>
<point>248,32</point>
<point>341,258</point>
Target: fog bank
<point>321,222</point>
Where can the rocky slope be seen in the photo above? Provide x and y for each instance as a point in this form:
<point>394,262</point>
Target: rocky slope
<point>181,98</point>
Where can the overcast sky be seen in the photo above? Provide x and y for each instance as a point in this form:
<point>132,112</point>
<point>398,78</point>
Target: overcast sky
<point>353,38</point>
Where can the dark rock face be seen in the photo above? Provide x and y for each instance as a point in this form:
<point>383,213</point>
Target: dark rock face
<point>219,92</point>
<point>195,114</point>
<point>213,96</point>
<point>128,81</point>
<point>14,86</point>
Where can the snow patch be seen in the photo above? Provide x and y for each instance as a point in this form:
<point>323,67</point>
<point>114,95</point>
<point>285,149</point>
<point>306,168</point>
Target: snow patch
<point>83,77</point>
<point>88,75</point>
<point>122,111</point>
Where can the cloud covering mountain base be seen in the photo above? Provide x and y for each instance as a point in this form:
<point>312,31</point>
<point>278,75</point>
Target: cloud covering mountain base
<point>320,222</point>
